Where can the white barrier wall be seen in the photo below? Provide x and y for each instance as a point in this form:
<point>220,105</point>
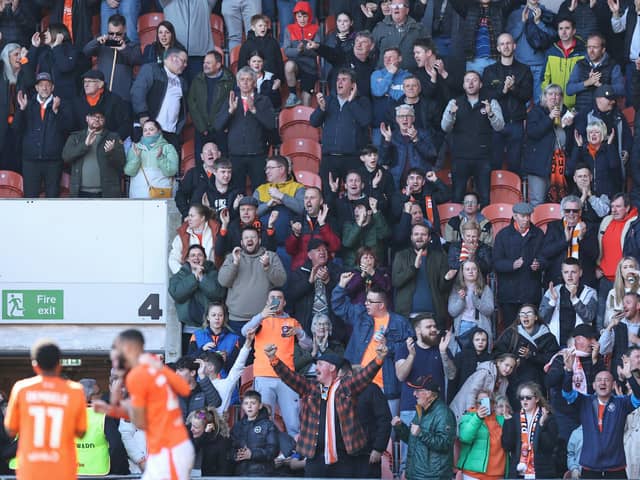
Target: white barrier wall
<point>79,271</point>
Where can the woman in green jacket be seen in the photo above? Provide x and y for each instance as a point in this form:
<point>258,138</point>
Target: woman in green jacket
<point>152,162</point>
<point>480,434</point>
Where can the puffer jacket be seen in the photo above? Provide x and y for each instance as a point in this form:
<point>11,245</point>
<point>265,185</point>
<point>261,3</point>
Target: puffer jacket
<point>161,156</point>
<point>184,288</point>
<point>430,453</point>
<point>261,437</point>
<point>474,443</point>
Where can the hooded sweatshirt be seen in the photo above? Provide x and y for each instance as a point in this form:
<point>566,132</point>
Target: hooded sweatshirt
<point>294,34</point>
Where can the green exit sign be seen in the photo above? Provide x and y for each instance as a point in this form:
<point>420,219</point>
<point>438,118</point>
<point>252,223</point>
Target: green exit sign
<point>32,304</point>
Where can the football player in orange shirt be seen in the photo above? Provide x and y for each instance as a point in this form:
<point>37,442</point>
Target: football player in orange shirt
<point>48,413</point>
<point>153,407</point>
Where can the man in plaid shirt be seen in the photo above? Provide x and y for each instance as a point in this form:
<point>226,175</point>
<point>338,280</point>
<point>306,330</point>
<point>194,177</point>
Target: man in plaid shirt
<point>330,434</point>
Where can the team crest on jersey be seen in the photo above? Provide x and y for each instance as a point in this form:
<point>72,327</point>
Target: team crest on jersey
<point>257,429</point>
<point>611,407</point>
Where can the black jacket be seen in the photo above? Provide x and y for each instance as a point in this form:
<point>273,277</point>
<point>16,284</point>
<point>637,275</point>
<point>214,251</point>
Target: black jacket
<point>64,64</point>
<point>301,295</point>
<point>544,445</point>
<point>514,102</point>
<point>540,142</point>
<point>42,139</point>
<point>521,285</point>
<point>375,417</point>
<point>338,58</point>
<point>439,192</point>
<point>555,248</point>
<point>226,243</point>
<point>247,132</point>
<point>25,82</point>
<point>268,47</point>
<point>261,437</point>
<point>16,27</point>
<point>194,184</point>
<point>148,91</point>
<point>203,395</point>
<point>117,113</point>
<point>83,12</point>
<point>215,453</point>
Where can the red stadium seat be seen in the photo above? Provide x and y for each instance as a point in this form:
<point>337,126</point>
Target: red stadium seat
<point>444,174</point>
<point>217,30</point>
<point>546,213</point>
<point>294,123</point>
<point>11,184</point>
<point>329,25</point>
<point>303,152</point>
<point>630,115</point>
<point>147,25</point>
<point>447,211</point>
<point>234,57</point>
<point>506,187</point>
<point>188,158</point>
<point>309,179</point>
<point>499,214</point>
<point>246,380</point>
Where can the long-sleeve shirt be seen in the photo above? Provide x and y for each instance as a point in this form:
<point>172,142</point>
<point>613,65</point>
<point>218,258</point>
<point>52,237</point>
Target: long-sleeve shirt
<point>449,118</point>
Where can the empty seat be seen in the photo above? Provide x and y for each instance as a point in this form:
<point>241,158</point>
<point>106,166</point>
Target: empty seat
<point>546,213</point>
<point>447,211</point>
<point>147,25</point>
<point>499,214</point>
<point>11,185</point>
<point>188,158</point>
<point>444,174</point>
<point>309,179</point>
<point>506,187</point>
<point>217,30</point>
<point>234,58</point>
<point>303,153</point>
<point>294,123</point>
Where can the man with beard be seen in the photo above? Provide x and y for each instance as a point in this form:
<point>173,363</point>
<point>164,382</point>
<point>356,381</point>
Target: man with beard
<point>422,356</point>
<point>152,406</point>
<point>231,230</point>
<point>602,416</point>
<point>472,119</point>
<point>421,277</point>
<point>373,325</point>
<point>311,285</point>
<point>313,224</point>
<point>511,83</point>
<point>623,330</point>
<point>249,272</point>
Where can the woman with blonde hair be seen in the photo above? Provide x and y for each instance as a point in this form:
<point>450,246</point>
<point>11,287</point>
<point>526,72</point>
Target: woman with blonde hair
<point>530,435</point>
<point>470,305</point>
<point>210,437</point>
<point>216,336</point>
<point>627,280</point>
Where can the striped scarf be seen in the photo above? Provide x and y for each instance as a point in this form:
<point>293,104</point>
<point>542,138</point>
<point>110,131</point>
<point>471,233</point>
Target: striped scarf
<point>574,247</point>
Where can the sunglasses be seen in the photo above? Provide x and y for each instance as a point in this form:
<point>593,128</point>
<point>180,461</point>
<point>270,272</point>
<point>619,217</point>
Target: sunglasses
<point>116,34</point>
<point>527,397</point>
<point>571,210</point>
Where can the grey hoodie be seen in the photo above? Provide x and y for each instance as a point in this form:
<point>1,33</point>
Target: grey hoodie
<point>191,20</point>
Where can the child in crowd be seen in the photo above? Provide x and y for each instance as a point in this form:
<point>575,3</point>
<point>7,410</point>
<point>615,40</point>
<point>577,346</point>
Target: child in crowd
<point>260,39</point>
<point>210,436</point>
<point>302,62</point>
<point>254,438</point>
<point>377,181</point>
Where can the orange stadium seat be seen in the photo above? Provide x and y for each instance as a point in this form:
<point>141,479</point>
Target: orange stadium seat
<point>630,115</point>
<point>234,58</point>
<point>444,174</point>
<point>147,25</point>
<point>11,184</point>
<point>447,211</point>
<point>217,30</point>
<point>499,214</point>
<point>294,123</point>
<point>303,152</point>
<point>506,187</point>
<point>188,158</point>
<point>329,25</point>
<point>546,213</point>
<point>309,179</point>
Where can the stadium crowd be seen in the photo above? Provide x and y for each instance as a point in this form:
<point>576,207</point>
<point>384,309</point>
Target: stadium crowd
<point>486,349</point>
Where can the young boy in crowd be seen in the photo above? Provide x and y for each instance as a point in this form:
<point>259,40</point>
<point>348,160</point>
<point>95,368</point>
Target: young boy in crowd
<point>254,438</point>
<point>378,182</point>
<point>302,59</point>
<point>260,38</point>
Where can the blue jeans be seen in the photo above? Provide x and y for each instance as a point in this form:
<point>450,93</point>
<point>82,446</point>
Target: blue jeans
<point>406,416</point>
<point>509,141</point>
<point>443,46</point>
<point>538,72</point>
<point>478,64</point>
<point>130,9</point>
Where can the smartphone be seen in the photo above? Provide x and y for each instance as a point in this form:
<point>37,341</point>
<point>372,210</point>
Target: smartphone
<point>486,402</point>
<point>275,302</point>
<point>111,43</point>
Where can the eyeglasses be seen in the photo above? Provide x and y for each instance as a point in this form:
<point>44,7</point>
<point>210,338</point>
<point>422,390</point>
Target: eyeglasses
<point>471,202</point>
<point>526,314</point>
<point>527,397</point>
<point>271,167</point>
<point>571,210</point>
<point>116,34</point>
<point>397,5</point>
<point>372,301</point>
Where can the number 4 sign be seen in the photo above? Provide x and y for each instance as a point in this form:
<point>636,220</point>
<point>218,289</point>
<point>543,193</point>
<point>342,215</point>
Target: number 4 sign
<point>151,307</point>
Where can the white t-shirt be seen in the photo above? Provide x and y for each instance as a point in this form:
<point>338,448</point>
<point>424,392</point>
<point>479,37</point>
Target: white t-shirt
<point>170,108</point>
